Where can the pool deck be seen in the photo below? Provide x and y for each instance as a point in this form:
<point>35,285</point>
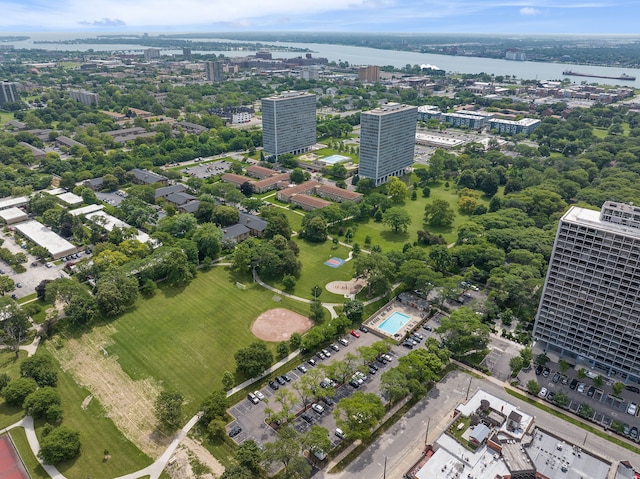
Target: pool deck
<point>416,317</point>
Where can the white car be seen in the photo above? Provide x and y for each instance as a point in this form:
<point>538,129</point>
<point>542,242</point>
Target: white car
<point>632,409</point>
<point>581,387</point>
<point>317,408</point>
<point>259,395</point>
<point>543,393</point>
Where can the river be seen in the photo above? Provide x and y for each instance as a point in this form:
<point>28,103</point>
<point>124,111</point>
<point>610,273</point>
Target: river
<point>372,56</point>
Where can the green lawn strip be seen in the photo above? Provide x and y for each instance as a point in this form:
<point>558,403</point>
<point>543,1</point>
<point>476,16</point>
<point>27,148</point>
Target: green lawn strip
<point>28,298</point>
<point>315,272</point>
<point>185,337</point>
<point>35,470</point>
<point>97,434</point>
<point>9,365</point>
<point>576,422</point>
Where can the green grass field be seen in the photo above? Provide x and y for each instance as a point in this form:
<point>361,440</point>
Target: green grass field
<point>315,272</point>
<point>185,337</point>
<point>36,471</point>
<point>5,116</point>
<point>9,365</point>
<point>125,457</point>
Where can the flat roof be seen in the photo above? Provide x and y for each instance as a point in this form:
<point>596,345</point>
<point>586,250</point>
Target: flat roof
<point>9,202</point>
<point>70,198</point>
<point>43,236</point>
<point>11,214</point>
<point>55,191</point>
<point>591,219</point>
<point>111,222</point>
<point>85,210</point>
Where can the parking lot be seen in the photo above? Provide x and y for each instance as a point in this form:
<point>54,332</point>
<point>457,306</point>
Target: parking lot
<point>607,407</point>
<point>35,273</point>
<point>250,417</point>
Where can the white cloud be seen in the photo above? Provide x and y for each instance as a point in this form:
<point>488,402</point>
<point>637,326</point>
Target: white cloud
<point>529,11</point>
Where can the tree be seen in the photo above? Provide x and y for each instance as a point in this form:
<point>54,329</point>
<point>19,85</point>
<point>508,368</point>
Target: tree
<point>315,229</point>
<point>526,354</point>
<point>395,384</point>
<point>317,439</point>
<point>17,391</point>
<point>6,285</point>
<point>618,387</point>
<point>396,189</point>
<point>214,406</point>
<point>561,399</point>
<point>228,380</point>
<point>515,363</point>
<point>249,456</point>
<point>208,238</point>
<point>253,360</point>
<point>542,359</point>
<point>225,215</point>
<point>397,218</point>
<point>289,283</point>
<point>60,445</point>
<point>564,366</point>
<point>283,449</point>
<point>358,414</point>
<point>15,325</point>
<point>316,311</point>
<point>294,341</point>
<point>168,409</point>
<point>39,402</point>
<point>115,292</point>
<point>463,332</point>
<point>377,270</point>
<point>282,349</point>
<point>533,387</point>
<point>353,309</point>
<point>297,176</point>
<point>316,291</point>
<point>41,369</point>
<point>438,213</point>
<point>597,381</point>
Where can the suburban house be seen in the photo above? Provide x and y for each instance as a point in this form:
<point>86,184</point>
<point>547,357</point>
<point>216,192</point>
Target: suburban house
<point>146,177</point>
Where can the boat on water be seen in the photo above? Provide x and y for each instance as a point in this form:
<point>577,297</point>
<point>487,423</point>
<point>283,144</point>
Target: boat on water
<point>624,76</point>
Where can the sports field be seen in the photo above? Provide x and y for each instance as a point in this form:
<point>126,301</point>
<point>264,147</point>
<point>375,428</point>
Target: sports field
<point>11,466</point>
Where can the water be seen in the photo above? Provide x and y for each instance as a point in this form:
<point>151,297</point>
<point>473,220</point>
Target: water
<point>371,56</point>
<point>394,323</point>
<point>333,159</point>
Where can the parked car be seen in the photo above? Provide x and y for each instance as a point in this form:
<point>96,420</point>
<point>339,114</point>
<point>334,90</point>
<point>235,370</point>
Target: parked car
<point>633,389</point>
<point>280,380</point>
<point>327,400</point>
<point>320,355</point>
<point>539,370</point>
<point>550,396</point>
<point>625,429</point>
<point>580,387</point>
<point>274,385</point>
<point>556,377</point>
<point>364,329</point>
<point>573,384</point>
<point>546,372</point>
<point>634,432</point>
<point>302,369</point>
<point>343,341</point>
<point>259,395</point>
<point>18,285</point>
<point>48,265</point>
<point>407,345</point>
<point>312,362</point>
<point>355,333</point>
<point>252,397</point>
<point>324,384</point>
<point>355,384</point>
<point>388,357</point>
<point>235,431</point>
<point>286,378</point>
<point>306,417</point>
<point>543,393</point>
<point>340,434</point>
<point>632,409</point>
<point>565,379</point>
<point>326,353</point>
<point>591,391</point>
<point>335,347</point>
<point>372,370</point>
<point>317,408</point>
<point>426,327</point>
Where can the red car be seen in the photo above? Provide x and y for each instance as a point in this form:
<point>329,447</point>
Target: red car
<point>355,333</point>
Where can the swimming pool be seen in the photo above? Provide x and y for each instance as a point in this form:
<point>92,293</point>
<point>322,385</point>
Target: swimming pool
<point>394,323</point>
<point>333,159</point>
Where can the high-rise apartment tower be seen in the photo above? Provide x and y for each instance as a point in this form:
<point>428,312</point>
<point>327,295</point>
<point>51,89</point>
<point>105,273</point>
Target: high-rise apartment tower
<point>589,312</point>
<point>289,123</point>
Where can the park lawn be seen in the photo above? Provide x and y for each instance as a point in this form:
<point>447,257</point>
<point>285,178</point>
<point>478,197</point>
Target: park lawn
<point>185,338</point>
<point>35,470</point>
<point>125,456</point>
<point>295,217</point>
<point>9,365</point>
<point>315,272</point>
<point>6,116</point>
<point>600,133</point>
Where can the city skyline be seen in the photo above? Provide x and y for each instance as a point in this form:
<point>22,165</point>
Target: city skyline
<point>419,16</point>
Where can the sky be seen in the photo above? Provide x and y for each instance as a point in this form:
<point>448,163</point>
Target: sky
<point>419,16</point>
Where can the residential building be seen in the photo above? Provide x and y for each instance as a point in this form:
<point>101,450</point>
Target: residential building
<point>289,123</point>
<point>152,54</point>
<point>589,311</point>
<point>369,74</point>
<point>84,97</point>
<point>146,177</point>
<point>8,92</point>
<point>387,141</point>
<point>310,72</point>
<point>469,120</point>
<point>186,53</point>
<point>526,125</point>
<point>214,71</point>
<point>426,112</point>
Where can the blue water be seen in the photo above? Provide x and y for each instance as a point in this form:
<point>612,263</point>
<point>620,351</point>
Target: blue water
<point>394,322</point>
<point>333,159</point>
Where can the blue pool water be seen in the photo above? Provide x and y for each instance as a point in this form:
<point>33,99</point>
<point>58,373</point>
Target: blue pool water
<point>333,159</point>
<point>394,322</point>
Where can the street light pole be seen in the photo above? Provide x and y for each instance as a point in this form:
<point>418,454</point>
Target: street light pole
<point>384,474</point>
<point>426,436</point>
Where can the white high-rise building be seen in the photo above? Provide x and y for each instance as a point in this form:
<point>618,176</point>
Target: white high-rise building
<point>589,312</point>
<point>289,123</point>
<point>387,141</point>
<point>8,92</point>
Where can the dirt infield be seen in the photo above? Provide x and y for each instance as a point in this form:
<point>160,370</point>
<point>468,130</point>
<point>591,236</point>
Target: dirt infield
<point>279,324</point>
<point>350,287</point>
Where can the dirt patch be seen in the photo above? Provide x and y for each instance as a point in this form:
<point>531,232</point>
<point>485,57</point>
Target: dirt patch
<point>189,451</point>
<point>351,287</point>
<point>127,402</point>
<point>279,324</point>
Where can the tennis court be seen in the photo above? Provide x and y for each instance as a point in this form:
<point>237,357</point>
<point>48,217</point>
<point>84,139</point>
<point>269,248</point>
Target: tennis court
<point>11,466</point>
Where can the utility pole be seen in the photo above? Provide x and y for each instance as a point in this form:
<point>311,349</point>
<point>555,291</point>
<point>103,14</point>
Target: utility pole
<point>384,474</point>
<point>426,436</point>
<point>469,387</point>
